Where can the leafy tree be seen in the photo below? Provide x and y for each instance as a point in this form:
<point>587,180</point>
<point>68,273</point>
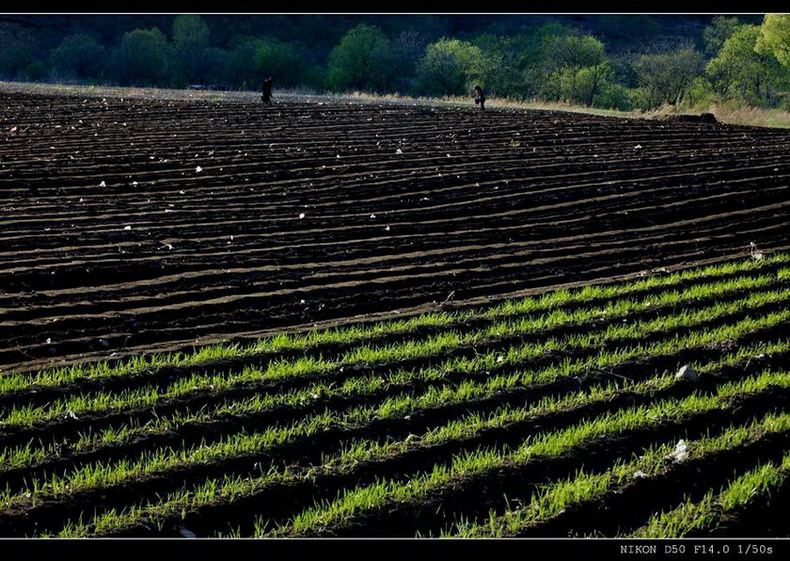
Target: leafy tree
<point>614,96</point>
<point>33,72</point>
<point>449,66</point>
<point>190,31</point>
<point>288,63</point>
<point>190,40</point>
<point>591,80</point>
<point>739,71</point>
<point>217,67</point>
<point>551,30</point>
<point>402,58</point>
<point>575,68</point>
<point>18,49</point>
<point>720,29</point>
<point>240,69</point>
<point>142,57</point>
<point>774,38</point>
<point>78,56</point>
<point>508,62</point>
<point>358,61</point>
<point>623,66</point>
<point>666,77</point>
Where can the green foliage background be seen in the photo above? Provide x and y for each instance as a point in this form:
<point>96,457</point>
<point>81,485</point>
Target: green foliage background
<point>609,61</point>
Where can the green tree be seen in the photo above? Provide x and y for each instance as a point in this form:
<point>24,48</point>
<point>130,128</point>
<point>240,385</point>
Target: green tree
<point>142,58</point>
<point>739,71</point>
<point>240,69</point>
<point>450,66</point>
<point>576,68</point>
<point>218,63</point>
<point>592,80</point>
<point>508,63</point>
<point>78,56</point>
<point>401,60</point>
<point>290,64</point>
<point>18,49</point>
<point>190,41</point>
<point>33,72</point>
<point>715,34</point>
<point>774,38</point>
<point>666,77</point>
<point>358,61</point>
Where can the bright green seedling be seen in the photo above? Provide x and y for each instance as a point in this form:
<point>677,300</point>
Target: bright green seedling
<point>354,503</point>
<point>552,500</point>
<point>546,446</point>
<point>310,367</point>
<point>709,514</point>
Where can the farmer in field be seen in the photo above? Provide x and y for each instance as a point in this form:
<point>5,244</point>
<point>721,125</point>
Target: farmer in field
<point>480,98</point>
<point>266,90</point>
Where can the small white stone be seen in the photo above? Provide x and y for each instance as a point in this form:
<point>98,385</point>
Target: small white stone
<point>680,453</point>
<point>687,373</point>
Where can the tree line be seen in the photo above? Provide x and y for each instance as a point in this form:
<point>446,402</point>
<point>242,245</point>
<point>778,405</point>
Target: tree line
<point>731,60</point>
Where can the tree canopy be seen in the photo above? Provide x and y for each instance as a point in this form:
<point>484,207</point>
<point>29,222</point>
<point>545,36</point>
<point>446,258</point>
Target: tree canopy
<point>618,61</point>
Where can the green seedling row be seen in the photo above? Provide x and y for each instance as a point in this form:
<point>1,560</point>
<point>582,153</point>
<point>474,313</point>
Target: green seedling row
<point>356,503</point>
<point>554,499</point>
<point>709,513</point>
<point>149,396</point>
<point>227,489</point>
<point>468,391</point>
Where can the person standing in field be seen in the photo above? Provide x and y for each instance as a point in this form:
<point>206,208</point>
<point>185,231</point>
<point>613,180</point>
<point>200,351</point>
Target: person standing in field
<point>480,98</point>
<point>266,90</point>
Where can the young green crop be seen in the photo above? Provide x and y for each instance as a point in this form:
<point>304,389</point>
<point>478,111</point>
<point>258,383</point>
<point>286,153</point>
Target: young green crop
<point>552,500</point>
<point>392,407</point>
<point>708,514</point>
<point>356,502</point>
<point>147,396</point>
<point>493,384</point>
<point>545,445</point>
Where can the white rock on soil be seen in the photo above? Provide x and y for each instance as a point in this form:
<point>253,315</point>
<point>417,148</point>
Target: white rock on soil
<point>687,373</point>
<point>680,454</point>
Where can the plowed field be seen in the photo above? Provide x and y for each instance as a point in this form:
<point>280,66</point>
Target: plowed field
<point>111,240</point>
<point>494,324</point>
